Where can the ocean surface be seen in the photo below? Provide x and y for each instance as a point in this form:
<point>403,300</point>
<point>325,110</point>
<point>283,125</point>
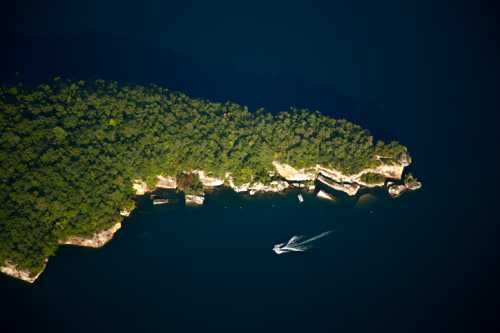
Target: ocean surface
<point>388,266</point>
<point>178,268</point>
<point>424,262</point>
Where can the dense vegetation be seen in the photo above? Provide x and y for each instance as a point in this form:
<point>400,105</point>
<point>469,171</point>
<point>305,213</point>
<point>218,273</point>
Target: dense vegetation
<point>372,178</point>
<point>70,150</point>
<point>189,183</point>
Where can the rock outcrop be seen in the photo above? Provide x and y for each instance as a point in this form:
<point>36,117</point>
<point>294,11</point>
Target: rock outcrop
<point>274,186</point>
<point>395,190</point>
<point>208,181</point>
<point>194,199</point>
<point>97,240</point>
<point>339,181</point>
<point>166,182</point>
<point>410,184</point>
<point>11,269</point>
<point>391,171</point>
<point>300,178</point>
<point>125,212</point>
<point>140,187</point>
<point>413,186</point>
<point>293,175</point>
<point>331,177</point>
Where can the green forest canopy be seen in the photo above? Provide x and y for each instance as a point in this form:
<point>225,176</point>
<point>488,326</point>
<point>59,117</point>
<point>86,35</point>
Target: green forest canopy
<point>70,150</point>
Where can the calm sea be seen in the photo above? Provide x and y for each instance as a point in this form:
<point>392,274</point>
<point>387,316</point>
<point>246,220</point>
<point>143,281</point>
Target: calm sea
<point>177,268</point>
<point>424,262</point>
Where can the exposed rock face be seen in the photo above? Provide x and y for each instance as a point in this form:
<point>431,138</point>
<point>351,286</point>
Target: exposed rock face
<point>301,178</point>
<point>22,274</point>
<point>339,181</point>
<point>208,181</point>
<point>293,175</point>
<point>349,188</point>
<point>96,240</point>
<point>274,186</point>
<point>307,185</point>
<point>166,182</point>
<point>388,171</point>
<point>194,199</point>
<point>349,184</point>
<point>236,188</point>
<point>125,212</point>
<point>140,187</point>
<point>324,195</point>
<point>240,188</point>
<point>396,190</point>
<point>412,186</point>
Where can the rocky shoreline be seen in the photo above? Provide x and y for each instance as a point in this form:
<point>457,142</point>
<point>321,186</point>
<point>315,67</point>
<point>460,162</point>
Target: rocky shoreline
<point>290,177</point>
<point>410,183</point>
<point>12,270</point>
<point>97,240</point>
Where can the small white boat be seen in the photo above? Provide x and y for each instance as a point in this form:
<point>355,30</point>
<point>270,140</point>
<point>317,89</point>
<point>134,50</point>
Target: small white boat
<point>160,201</point>
<point>301,198</point>
<point>298,243</point>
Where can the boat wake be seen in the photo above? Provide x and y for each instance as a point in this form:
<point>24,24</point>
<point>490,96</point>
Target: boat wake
<point>298,243</point>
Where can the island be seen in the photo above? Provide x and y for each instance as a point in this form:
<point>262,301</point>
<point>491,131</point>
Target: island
<point>75,155</point>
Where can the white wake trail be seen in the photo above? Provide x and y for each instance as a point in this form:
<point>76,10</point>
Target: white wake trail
<point>321,235</point>
<point>296,245</point>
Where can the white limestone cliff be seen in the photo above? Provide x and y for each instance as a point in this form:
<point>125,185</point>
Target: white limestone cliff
<point>166,182</point>
<point>97,240</point>
<point>339,181</point>
<point>293,175</point>
<point>208,181</point>
<point>140,187</point>
<point>14,271</point>
<point>409,184</point>
<point>125,212</point>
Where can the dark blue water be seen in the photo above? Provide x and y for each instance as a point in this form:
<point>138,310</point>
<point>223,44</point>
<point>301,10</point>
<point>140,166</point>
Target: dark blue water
<point>180,268</point>
<point>388,266</point>
<point>425,262</point>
